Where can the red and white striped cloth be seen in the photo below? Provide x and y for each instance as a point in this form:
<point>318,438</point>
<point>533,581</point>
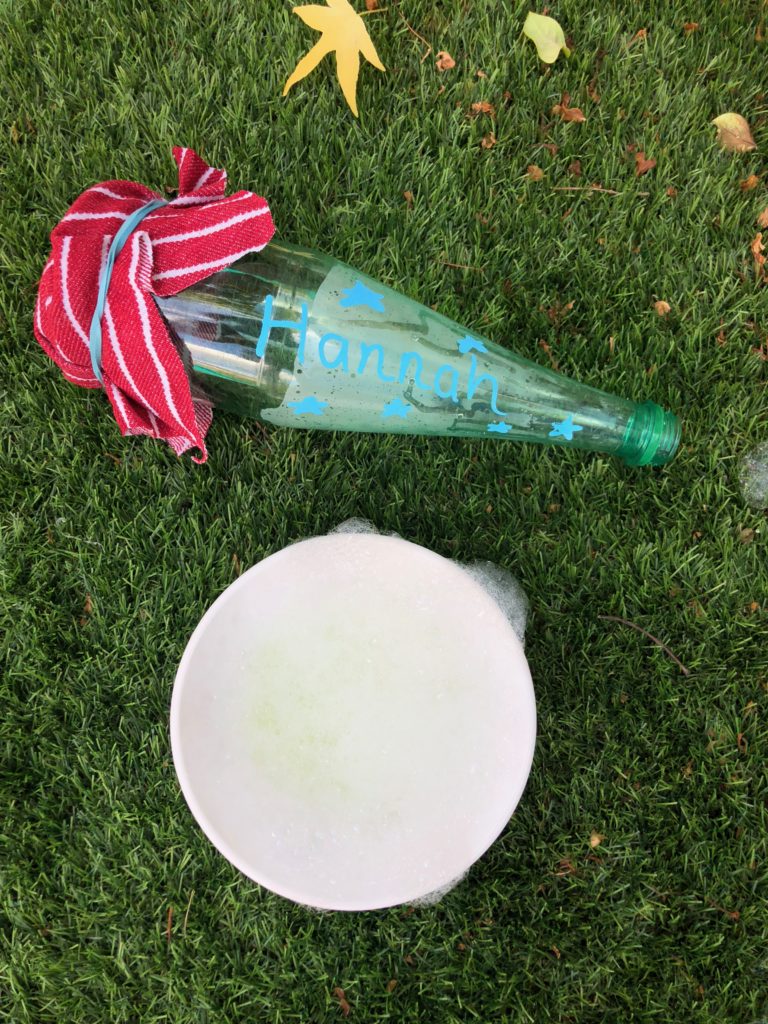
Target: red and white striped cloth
<point>195,235</point>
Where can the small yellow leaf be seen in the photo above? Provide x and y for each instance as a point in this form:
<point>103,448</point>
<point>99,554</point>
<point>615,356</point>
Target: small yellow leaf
<point>344,32</point>
<point>595,839</point>
<point>547,37</point>
<point>733,133</point>
<point>662,307</point>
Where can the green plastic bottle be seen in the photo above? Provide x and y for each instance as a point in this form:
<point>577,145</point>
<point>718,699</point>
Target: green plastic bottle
<point>297,339</point>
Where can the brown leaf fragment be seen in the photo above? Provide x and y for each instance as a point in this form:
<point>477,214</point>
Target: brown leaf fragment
<point>746,535</point>
<point>749,183</point>
<point>372,5</point>
<point>566,112</point>
<point>741,743</point>
<point>444,61</point>
<point>480,74</point>
<point>555,952</point>
<point>690,26</point>
<point>488,141</point>
<point>592,92</point>
<point>408,197</point>
<point>483,107</point>
<point>662,308</point>
<point>762,218</point>
<point>392,985</point>
<point>595,839</point>
<point>672,192</point>
<point>344,1006</point>
<point>757,248</point>
<point>643,164</point>
<point>574,168</point>
<point>565,867</point>
<point>534,172</point>
<point>639,36</point>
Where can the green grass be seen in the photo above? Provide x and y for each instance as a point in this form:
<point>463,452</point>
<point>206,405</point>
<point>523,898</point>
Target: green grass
<point>665,920</point>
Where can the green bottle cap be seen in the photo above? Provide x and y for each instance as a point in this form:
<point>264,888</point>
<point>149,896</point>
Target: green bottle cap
<point>651,438</point>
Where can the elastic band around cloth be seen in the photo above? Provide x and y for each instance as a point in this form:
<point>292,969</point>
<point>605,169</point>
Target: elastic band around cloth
<point>130,225</point>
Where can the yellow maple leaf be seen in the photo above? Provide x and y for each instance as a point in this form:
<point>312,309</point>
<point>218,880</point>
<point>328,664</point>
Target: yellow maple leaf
<point>342,30</point>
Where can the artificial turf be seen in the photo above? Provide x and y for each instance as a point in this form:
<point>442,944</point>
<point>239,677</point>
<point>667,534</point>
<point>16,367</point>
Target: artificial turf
<point>112,548</point>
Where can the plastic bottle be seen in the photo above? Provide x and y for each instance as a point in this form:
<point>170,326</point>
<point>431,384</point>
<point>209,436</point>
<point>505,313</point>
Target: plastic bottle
<point>295,338</point>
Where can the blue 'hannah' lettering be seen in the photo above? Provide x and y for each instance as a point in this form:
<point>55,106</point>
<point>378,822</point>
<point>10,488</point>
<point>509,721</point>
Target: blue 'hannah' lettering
<point>445,384</point>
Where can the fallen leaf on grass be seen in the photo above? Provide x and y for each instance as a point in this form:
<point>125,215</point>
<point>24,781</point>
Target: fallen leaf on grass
<point>547,36</point>
<point>639,36</point>
<point>408,197</point>
<point>733,133</point>
<point>762,218</point>
<point>595,839</point>
<point>690,26</point>
<point>672,192</point>
<point>344,32</point>
<point>746,535</point>
<point>565,867</point>
<point>87,609</point>
<point>642,164</point>
<point>372,5</point>
<point>592,92</point>
<point>749,183</point>
<point>566,112</point>
<point>483,107</point>
<point>662,307</point>
<point>392,985</point>
<point>444,61</point>
<point>575,168</point>
<point>757,248</point>
<point>480,74</point>
<point>534,172</point>
<point>556,952</point>
<point>488,141</point>
<point>346,1009</point>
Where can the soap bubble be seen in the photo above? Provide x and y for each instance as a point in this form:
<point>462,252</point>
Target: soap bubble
<point>753,477</point>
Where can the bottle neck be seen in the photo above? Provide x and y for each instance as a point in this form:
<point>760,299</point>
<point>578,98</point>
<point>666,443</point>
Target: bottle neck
<point>651,438</point>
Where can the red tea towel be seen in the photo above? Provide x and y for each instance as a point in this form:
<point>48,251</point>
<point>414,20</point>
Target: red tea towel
<point>198,233</point>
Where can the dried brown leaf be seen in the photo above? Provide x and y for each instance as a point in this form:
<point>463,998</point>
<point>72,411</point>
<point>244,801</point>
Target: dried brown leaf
<point>690,26</point>
<point>762,218</point>
<point>592,92</point>
<point>565,867</point>
<point>556,952</point>
<point>733,133</point>
<point>595,839</point>
<point>566,112</point>
<point>749,183</point>
<point>639,36</point>
<point>643,164</point>
<point>672,192</point>
<point>444,61</point>
<point>662,308</point>
<point>488,141</point>
<point>346,1009</point>
<point>483,107</point>
<point>534,172</point>
<point>757,248</point>
<point>372,5</point>
<point>392,985</point>
<point>408,197</point>
<point>747,535</point>
<point>480,74</point>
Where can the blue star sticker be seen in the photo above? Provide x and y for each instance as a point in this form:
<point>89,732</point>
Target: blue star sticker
<point>565,429</point>
<point>360,295</point>
<point>397,407</point>
<point>470,344</point>
<point>499,428</point>
<point>310,406</point>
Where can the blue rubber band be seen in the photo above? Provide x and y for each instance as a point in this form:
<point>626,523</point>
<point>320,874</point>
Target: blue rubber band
<point>130,225</point>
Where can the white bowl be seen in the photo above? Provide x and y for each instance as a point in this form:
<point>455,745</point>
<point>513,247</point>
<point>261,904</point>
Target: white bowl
<point>353,722</point>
